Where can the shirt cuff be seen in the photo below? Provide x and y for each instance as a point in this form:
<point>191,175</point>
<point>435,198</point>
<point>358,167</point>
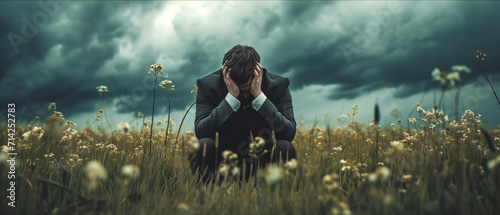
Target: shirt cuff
<point>233,102</point>
<point>257,102</point>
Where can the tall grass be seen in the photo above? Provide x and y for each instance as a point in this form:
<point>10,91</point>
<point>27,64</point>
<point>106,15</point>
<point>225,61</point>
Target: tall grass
<point>433,170</point>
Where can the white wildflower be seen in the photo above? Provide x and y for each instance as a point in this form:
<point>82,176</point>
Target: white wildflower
<point>452,77</point>
<point>383,173</point>
<point>273,174</point>
<point>102,89</point>
<point>398,145</point>
<point>291,164</point>
<point>131,172</point>
<point>112,147</point>
<point>420,110</point>
<point>436,74</point>
<point>195,89</point>
<point>330,181</point>
<point>95,173</point>
<point>5,149</point>
<point>183,208</point>
<point>224,169</point>
<point>372,178</point>
<point>446,119</point>
<point>235,171</point>
<point>257,146</point>
<point>38,129</point>
<point>493,163</point>
<point>461,68</point>
<point>123,126</point>
<point>27,135</point>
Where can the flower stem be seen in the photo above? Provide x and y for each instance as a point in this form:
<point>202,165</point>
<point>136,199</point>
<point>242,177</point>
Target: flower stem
<point>168,117</point>
<point>105,115</point>
<point>441,100</point>
<point>180,126</point>
<point>479,62</point>
<point>413,110</point>
<point>457,96</point>
<point>153,115</point>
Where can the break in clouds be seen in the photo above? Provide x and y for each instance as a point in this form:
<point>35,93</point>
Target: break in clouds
<point>60,51</point>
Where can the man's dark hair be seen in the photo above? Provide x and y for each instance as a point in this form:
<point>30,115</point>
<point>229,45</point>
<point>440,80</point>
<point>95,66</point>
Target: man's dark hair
<point>242,61</point>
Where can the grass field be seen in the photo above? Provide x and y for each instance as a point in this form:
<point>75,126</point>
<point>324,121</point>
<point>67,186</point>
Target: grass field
<point>430,165</point>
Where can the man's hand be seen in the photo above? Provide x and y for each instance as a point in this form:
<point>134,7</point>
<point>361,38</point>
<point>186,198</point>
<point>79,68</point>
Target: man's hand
<point>231,85</point>
<point>255,88</point>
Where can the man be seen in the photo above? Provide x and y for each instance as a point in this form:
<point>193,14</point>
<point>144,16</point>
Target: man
<point>242,98</point>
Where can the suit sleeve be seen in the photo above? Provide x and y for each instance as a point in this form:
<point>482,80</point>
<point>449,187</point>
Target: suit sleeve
<point>209,118</point>
<point>280,115</point>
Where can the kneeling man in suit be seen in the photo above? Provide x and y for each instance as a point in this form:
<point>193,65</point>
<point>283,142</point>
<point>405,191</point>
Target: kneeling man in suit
<point>240,101</point>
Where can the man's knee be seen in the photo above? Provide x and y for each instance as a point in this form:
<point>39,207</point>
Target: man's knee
<point>206,147</point>
<point>201,158</point>
<point>286,149</point>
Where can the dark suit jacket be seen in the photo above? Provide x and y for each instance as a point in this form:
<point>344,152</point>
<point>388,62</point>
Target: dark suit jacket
<point>214,114</point>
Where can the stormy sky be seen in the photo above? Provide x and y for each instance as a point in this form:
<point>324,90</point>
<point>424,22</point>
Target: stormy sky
<point>337,54</point>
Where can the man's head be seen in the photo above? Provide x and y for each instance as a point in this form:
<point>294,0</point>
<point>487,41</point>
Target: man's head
<point>242,61</point>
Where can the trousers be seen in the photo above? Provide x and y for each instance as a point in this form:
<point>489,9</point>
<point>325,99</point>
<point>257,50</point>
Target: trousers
<point>207,158</point>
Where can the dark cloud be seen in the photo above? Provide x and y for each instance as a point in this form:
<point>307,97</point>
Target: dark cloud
<point>87,44</point>
<point>402,55</point>
<point>82,37</point>
<point>302,11</point>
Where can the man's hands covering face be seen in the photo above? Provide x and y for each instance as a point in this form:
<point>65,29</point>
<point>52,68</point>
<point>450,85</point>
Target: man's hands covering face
<point>257,80</point>
<point>231,85</point>
<point>255,85</point>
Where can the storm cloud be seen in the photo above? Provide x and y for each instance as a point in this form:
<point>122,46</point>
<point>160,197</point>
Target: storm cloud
<point>60,51</point>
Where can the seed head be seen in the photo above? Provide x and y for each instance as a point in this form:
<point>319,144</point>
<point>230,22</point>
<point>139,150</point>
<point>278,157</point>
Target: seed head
<point>156,69</point>
<point>492,164</point>
<point>257,146</point>
<point>398,145</point>
<point>102,89</point>
<point>131,172</point>
<point>480,55</point>
<point>461,68</point>
<point>95,173</point>
<point>330,181</point>
<point>382,173</point>
<point>273,174</point>
<point>195,89</point>
<point>123,126</point>
<point>291,164</point>
<point>52,106</point>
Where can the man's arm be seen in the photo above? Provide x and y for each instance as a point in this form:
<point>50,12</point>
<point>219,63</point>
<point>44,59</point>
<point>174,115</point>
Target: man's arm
<point>210,118</point>
<point>280,115</point>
